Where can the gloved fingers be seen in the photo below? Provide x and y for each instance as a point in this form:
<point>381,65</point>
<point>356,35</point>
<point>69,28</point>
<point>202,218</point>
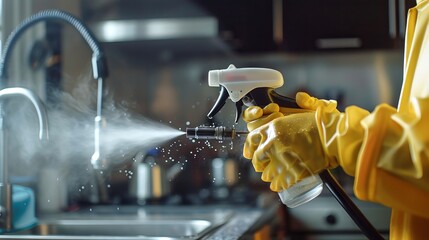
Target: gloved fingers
<point>290,170</point>
<point>256,116</point>
<point>253,141</point>
<point>268,173</point>
<point>263,120</point>
<point>281,170</point>
<point>272,171</point>
<point>274,174</point>
<point>251,144</point>
<point>261,157</point>
<point>270,108</point>
<point>260,162</point>
<point>278,184</point>
<point>304,100</point>
<point>252,113</point>
<point>287,149</point>
<point>282,178</point>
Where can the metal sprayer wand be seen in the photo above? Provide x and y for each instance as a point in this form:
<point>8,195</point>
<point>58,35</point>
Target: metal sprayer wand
<point>213,133</point>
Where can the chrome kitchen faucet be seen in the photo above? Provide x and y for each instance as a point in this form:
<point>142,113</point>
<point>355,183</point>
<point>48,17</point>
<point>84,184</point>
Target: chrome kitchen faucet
<point>6,214</point>
<point>99,69</point>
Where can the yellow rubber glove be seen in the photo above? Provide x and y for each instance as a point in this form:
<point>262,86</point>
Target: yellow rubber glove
<point>256,116</point>
<point>286,149</point>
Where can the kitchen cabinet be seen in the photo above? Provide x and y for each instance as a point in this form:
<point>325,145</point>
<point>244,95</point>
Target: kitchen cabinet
<point>255,26</point>
<point>336,24</point>
<point>314,25</point>
<point>245,25</point>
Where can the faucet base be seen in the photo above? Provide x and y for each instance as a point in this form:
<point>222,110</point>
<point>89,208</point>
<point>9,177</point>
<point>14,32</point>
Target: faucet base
<point>6,207</point>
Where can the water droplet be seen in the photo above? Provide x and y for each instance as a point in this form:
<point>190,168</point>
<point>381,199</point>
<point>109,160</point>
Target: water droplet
<point>188,123</point>
<point>108,185</point>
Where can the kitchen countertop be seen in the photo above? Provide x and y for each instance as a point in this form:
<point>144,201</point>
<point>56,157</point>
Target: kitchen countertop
<point>243,221</point>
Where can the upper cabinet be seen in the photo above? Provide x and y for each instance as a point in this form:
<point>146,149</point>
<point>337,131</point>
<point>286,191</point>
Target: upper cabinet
<point>337,24</point>
<point>245,25</point>
<point>312,25</point>
<point>207,27</point>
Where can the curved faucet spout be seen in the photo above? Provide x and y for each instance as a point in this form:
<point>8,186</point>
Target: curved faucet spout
<point>37,103</point>
<point>6,214</point>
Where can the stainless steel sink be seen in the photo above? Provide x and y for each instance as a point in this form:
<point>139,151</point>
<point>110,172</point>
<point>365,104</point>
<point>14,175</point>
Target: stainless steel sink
<point>127,223</point>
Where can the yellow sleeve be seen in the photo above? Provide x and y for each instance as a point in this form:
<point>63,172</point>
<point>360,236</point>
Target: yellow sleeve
<point>393,162</point>
<point>387,152</point>
<point>341,135</point>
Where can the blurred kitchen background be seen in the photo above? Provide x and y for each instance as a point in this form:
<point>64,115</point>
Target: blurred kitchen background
<point>159,53</point>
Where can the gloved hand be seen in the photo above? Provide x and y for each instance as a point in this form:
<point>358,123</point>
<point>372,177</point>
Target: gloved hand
<point>288,148</point>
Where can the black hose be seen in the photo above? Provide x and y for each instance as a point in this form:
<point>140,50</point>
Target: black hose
<point>98,61</point>
<point>357,216</point>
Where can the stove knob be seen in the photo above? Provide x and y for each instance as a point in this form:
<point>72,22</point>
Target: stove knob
<point>331,219</point>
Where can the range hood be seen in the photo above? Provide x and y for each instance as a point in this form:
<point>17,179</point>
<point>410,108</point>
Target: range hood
<point>155,29</point>
<point>180,27</point>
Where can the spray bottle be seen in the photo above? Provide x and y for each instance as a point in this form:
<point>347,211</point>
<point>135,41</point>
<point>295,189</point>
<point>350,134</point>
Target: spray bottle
<point>255,87</point>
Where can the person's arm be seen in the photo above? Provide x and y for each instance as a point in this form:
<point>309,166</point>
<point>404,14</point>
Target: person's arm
<point>386,151</point>
<point>393,163</point>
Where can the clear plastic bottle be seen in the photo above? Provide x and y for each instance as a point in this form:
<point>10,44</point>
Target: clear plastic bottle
<point>303,191</point>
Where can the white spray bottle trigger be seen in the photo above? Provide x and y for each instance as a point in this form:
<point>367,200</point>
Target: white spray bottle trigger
<point>240,81</point>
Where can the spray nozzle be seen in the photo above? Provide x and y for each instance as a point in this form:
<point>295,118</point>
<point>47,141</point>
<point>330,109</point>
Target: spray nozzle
<point>209,133</point>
